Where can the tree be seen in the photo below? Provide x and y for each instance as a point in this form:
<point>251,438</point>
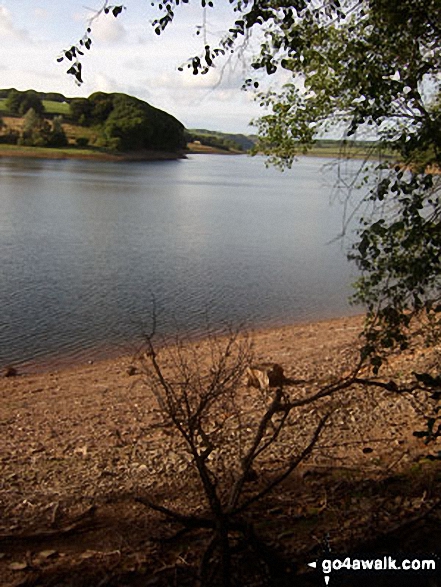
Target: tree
<point>366,69</point>
<point>369,69</point>
<point>361,69</point>
<point>57,136</point>
<point>13,101</point>
<point>102,106</point>
<point>128,124</point>
<point>37,132</point>
<point>132,124</point>
<point>81,111</point>
<point>34,130</point>
<point>21,102</point>
<point>372,67</point>
<point>30,99</point>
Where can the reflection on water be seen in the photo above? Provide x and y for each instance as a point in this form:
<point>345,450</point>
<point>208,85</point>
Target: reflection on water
<point>85,245</point>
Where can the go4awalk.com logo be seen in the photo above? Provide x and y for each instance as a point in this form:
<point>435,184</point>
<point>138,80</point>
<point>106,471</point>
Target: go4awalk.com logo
<point>394,566</point>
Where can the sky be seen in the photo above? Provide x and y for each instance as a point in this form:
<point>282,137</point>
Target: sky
<point>126,56</point>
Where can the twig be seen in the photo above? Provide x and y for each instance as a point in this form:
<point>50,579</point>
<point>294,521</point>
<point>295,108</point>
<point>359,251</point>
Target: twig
<point>289,469</point>
<point>188,521</point>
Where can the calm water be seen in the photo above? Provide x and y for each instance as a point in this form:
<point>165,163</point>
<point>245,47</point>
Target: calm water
<point>84,246</point>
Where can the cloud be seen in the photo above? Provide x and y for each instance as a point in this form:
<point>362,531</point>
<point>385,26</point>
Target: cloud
<point>108,29</point>
<point>106,83</point>
<point>136,63</point>
<point>8,30</point>
<point>41,13</point>
<point>126,56</point>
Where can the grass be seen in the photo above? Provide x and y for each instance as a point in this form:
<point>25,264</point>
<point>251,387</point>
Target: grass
<point>201,149</point>
<point>361,150</point>
<point>50,107</point>
<point>72,152</point>
<point>53,153</point>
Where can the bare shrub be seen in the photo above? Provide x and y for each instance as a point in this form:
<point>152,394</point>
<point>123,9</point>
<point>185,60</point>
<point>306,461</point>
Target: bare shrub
<point>232,444</point>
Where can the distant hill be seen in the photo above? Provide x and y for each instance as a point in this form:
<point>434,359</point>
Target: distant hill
<point>113,122</point>
<point>220,140</point>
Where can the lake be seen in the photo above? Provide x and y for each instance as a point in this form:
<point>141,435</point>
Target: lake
<point>85,246</point>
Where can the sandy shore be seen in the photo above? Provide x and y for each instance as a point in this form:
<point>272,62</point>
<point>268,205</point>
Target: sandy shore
<point>78,443</point>
<point>82,412</point>
<point>85,409</point>
<point>58,426</point>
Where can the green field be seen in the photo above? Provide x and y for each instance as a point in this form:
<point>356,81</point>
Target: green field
<point>50,107</point>
<point>355,150</point>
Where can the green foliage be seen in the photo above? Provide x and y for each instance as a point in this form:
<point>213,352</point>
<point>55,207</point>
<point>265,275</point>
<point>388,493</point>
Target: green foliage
<point>4,93</point>
<point>20,102</point>
<point>82,142</point>
<point>128,124</point>
<point>361,69</point>
<point>80,110</point>
<point>53,103</point>
<point>133,125</point>
<point>125,123</point>
<point>54,97</point>
<point>212,140</point>
<point>102,106</point>
<point>31,100</point>
<point>38,132</point>
<point>35,129</point>
<point>367,69</point>
<point>57,137</point>
<point>13,102</point>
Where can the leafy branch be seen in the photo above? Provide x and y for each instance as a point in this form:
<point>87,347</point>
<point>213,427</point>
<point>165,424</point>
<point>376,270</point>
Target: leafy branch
<point>74,53</point>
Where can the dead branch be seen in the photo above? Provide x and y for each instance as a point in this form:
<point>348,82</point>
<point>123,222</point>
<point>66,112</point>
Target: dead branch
<point>291,466</point>
<point>227,429</point>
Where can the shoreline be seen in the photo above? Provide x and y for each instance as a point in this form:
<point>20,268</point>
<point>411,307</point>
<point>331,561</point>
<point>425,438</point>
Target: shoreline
<point>63,154</point>
<point>266,336</point>
<point>72,154</point>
